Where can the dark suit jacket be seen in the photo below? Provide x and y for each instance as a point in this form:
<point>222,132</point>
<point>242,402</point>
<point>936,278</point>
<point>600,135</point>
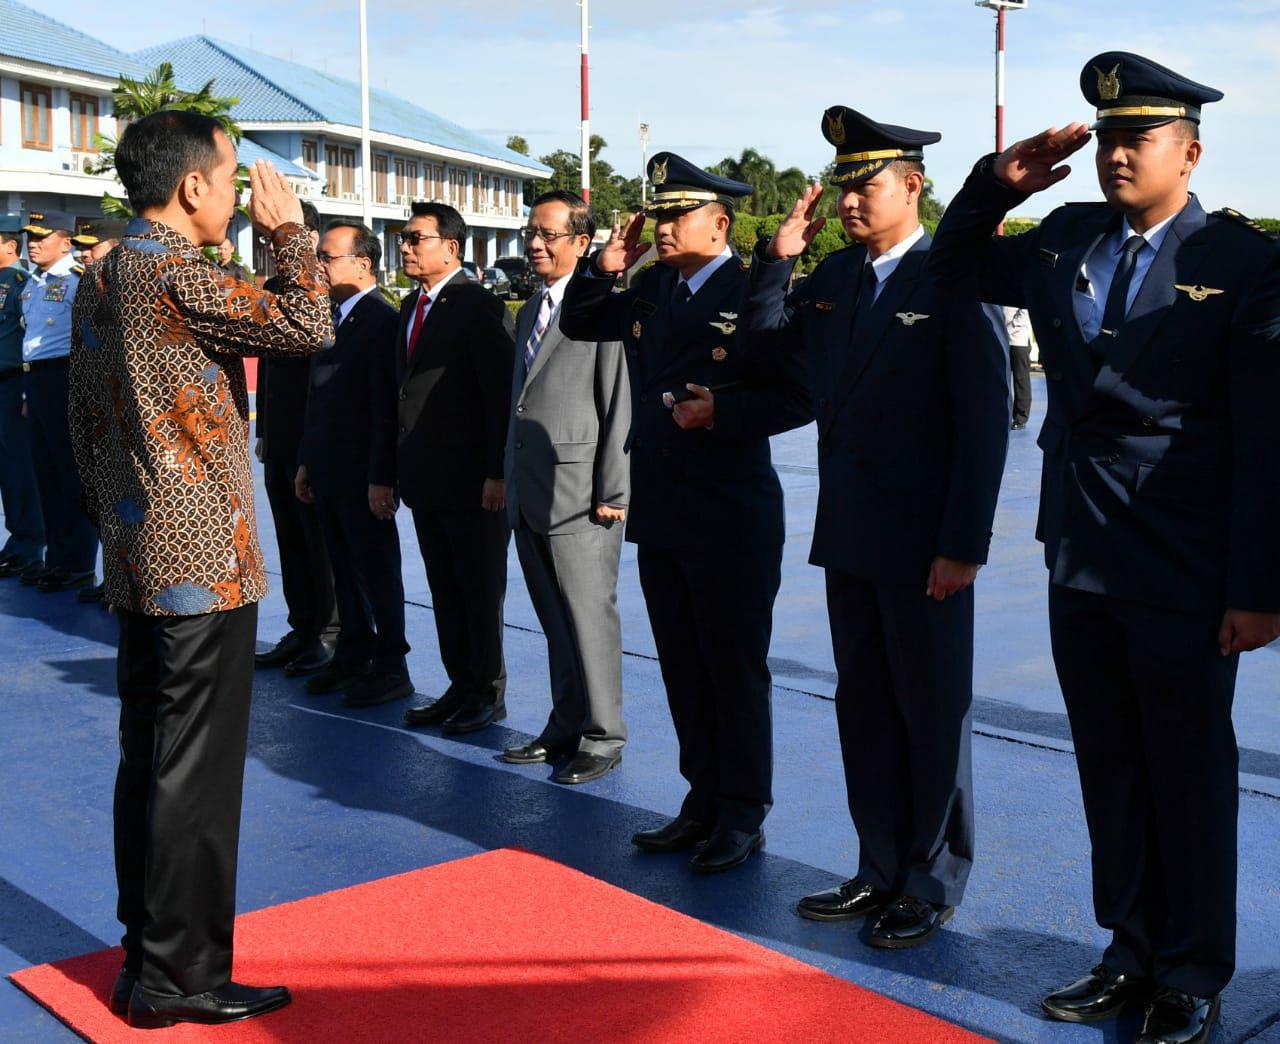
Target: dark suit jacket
<point>453,397</point>
<point>706,489</point>
<point>349,438</point>
<point>281,403</point>
<point>1161,479</point>
<point>913,414</point>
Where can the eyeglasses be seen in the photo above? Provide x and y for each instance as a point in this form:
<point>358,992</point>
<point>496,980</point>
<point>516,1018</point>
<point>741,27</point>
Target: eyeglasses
<point>325,259</point>
<point>414,238</point>
<point>529,234</point>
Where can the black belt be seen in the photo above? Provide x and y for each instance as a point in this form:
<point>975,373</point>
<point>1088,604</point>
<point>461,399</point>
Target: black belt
<point>6,374</point>
<point>46,364</point>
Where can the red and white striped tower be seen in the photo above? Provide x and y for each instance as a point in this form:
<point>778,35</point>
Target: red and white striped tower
<point>586,110</point>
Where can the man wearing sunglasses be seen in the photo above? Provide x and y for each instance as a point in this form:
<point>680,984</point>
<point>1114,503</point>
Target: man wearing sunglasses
<point>453,371</point>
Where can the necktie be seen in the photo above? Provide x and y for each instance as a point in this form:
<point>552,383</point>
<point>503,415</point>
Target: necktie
<point>539,331</point>
<point>680,298</point>
<point>337,316</point>
<point>866,296</point>
<point>1118,295</point>
<point>419,314</point>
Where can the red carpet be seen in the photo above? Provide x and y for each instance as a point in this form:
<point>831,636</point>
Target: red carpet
<point>426,957</point>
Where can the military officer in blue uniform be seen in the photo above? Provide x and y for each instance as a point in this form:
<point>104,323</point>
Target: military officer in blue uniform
<point>706,508</point>
<point>907,383</point>
<point>24,549</point>
<point>46,349</point>
<point>1158,326</point>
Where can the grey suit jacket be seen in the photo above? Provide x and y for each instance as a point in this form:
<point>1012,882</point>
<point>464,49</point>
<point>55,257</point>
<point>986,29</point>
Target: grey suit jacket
<point>570,418</point>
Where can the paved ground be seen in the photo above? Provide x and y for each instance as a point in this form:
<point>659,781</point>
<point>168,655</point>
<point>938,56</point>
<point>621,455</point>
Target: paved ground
<point>335,797</point>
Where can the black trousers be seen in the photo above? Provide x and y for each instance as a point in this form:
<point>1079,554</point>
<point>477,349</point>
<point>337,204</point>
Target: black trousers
<point>184,685</point>
<point>18,490</point>
<point>465,553</point>
<point>712,617</point>
<point>71,541</point>
<point>1020,364</point>
<point>1149,698</point>
<point>903,699</point>
<point>306,575</point>
<point>365,552</point>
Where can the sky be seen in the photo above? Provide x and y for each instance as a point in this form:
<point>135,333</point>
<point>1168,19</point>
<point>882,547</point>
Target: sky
<point>711,78</point>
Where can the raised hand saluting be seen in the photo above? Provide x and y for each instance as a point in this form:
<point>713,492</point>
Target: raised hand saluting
<point>798,230</point>
<point>1031,165</point>
<point>624,248</point>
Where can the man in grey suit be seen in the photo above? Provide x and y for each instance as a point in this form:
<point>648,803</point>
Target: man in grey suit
<point>566,477</point>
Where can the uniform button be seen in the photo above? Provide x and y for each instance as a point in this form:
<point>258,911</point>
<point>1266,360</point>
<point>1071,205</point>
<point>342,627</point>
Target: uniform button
<point>403,429</point>
<point>822,404</point>
<point>1148,421</point>
<point>519,445</point>
<point>1057,323</point>
<point>403,396</point>
<point>520,409</point>
<point>49,321</point>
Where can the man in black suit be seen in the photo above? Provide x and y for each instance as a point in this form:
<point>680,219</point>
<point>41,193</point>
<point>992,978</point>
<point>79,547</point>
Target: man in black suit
<point>454,354</point>
<point>347,469</point>
<point>1159,510</point>
<point>305,573</point>
<point>908,386</point>
<point>706,505</point>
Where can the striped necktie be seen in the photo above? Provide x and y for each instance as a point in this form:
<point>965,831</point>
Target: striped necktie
<point>539,331</point>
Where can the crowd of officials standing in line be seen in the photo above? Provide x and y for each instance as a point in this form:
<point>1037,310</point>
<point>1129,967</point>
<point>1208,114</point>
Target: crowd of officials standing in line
<point>1158,327</point>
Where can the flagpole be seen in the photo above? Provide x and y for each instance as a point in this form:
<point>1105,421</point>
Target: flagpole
<point>366,151</point>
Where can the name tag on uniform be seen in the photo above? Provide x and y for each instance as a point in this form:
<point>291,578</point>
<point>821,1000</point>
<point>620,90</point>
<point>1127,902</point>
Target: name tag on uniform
<point>55,292</point>
<point>824,306</point>
<point>4,293</point>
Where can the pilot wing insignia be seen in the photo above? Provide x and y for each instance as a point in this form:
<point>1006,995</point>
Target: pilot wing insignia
<point>728,315</point>
<point>911,318</point>
<point>1197,293</point>
<point>724,328</point>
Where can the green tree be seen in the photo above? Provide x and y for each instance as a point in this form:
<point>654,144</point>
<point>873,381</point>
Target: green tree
<point>517,144</point>
<point>772,191</point>
<point>610,191</point>
<point>132,99</point>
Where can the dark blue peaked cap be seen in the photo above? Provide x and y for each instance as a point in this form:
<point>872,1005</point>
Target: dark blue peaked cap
<point>11,221</point>
<point>864,148</point>
<point>679,185</point>
<point>1131,91</point>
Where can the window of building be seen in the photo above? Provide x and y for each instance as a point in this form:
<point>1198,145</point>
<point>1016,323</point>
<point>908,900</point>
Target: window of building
<point>84,122</point>
<point>309,154</point>
<point>331,177</point>
<point>406,178</point>
<point>37,107</point>
<point>347,163</point>
<point>380,179</point>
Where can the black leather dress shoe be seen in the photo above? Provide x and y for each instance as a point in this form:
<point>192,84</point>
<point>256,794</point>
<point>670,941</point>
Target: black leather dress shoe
<point>535,752</point>
<point>437,712</point>
<point>585,767</point>
<point>852,900</point>
<point>676,836</point>
<point>122,991</point>
<point>34,573</point>
<point>313,658</point>
<point>57,580</point>
<point>336,677</point>
<point>16,565</point>
<point>282,652</point>
<point>378,687</point>
<point>472,717</point>
<point>1102,994</point>
<point>725,849</point>
<point>229,1003</point>
<point>1174,1017</point>
<point>7,556</point>
<point>909,922</point>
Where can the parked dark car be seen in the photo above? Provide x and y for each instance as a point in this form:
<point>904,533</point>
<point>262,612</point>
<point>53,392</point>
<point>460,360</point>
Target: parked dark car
<point>524,281</point>
<point>471,270</point>
<point>496,282</point>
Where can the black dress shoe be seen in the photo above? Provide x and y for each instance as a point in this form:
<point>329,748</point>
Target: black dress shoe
<point>585,767</point>
<point>535,752</point>
<point>16,565</point>
<point>122,991</point>
<point>437,712</point>
<point>1174,1017</point>
<point>229,1003</point>
<point>378,687</point>
<point>336,677</point>
<point>282,652</point>
<point>909,922</point>
<point>472,717</point>
<point>57,580</point>
<point>725,849</point>
<point>1102,994</point>
<point>676,836</point>
<point>92,594</point>
<point>851,900</point>
<point>313,658</point>
<point>34,573</point>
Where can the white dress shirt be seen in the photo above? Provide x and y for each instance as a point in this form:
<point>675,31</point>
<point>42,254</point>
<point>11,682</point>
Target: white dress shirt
<point>885,265</point>
<point>700,277</point>
<point>344,308</point>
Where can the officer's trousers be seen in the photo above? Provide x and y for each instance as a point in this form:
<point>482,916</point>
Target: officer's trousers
<point>18,488</point>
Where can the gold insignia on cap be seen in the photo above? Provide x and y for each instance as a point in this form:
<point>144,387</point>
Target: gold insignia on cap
<point>835,129</point>
<point>911,318</point>
<point>1108,83</point>
<point>637,330</point>
<point>1197,293</point>
<point>660,172</point>
<point>719,354</point>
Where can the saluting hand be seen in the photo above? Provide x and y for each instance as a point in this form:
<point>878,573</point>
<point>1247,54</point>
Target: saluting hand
<point>796,233</point>
<point>1031,165</point>
<point>272,203</point>
<point>1243,631</point>
<point>624,248</point>
<point>948,577</point>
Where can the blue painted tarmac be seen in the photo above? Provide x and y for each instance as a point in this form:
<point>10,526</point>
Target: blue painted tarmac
<point>334,797</point>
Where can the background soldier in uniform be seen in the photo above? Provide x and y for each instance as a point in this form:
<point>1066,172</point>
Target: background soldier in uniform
<point>706,506</point>
<point>1159,512</point>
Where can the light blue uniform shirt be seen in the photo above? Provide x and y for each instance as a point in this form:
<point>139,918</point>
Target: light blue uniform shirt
<point>1099,271</point>
<point>46,309</point>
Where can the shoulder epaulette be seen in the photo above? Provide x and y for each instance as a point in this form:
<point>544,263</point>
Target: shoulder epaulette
<point>1240,219</point>
<point>78,269</point>
<point>18,277</point>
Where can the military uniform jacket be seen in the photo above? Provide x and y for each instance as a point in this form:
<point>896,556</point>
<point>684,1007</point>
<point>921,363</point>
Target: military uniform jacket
<point>46,310</point>
<point>1161,480</point>
<point>912,412</point>
<point>702,489</point>
<point>13,281</point>
<point>159,412</point>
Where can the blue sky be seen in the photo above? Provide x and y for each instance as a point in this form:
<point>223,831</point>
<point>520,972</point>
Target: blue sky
<point>711,77</point>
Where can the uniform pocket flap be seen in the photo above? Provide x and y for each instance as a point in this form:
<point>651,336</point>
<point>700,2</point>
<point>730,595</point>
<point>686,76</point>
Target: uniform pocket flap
<point>575,452</point>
